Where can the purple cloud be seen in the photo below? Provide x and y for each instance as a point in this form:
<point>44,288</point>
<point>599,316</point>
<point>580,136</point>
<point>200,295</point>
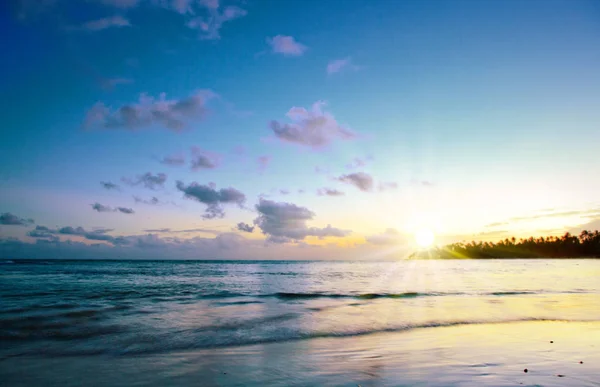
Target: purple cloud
<point>148,180</point>
<point>313,128</point>
<point>213,198</point>
<point>108,185</point>
<point>174,160</point>
<point>263,162</point>
<point>329,192</point>
<point>171,114</point>
<point>285,222</point>
<point>202,159</point>
<point>360,180</point>
<point>286,45</point>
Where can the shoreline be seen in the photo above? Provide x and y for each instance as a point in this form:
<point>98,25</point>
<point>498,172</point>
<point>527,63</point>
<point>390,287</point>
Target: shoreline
<point>465,355</point>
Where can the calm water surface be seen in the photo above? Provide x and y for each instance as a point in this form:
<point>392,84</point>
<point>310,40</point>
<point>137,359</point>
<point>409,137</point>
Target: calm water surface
<point>62,308</point>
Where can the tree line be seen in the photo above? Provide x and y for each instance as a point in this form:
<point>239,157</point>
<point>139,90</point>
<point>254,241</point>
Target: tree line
<point>585,245</point>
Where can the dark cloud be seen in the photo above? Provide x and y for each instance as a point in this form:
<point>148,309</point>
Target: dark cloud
<point>360,180</point>
<point>52,234</point>
<point>329,192</point>
<point>148,180</point>
<point>283,222</point>
<point>153,201</point>
<point>171,114</point>
<point>244,227</point>
<point>108,185</point>
<point>313,128</point>
<point>102,208</point>
<point>213,198</point>
<point>9,219</point>
<point>202,159</point>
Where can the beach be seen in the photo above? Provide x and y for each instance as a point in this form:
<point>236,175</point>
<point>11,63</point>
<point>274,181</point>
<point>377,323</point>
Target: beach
<point>419,323</point>
<point>466,355</point>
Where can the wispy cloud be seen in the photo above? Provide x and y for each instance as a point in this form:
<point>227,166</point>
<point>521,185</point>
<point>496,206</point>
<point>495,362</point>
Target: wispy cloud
<point>263,162</point>
<point>108,185</point>
<point>103,208</point>
<point>245,227</point>
<point>286,45</point>
<point>361,180</point>
<point>209,26</point>
<point>202,159</point>
<point>329,192</point>
<point>338,65</point>
<point>148,180</point>
<point>115,21</point>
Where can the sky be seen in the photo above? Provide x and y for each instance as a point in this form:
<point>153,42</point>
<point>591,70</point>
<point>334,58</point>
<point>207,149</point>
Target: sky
<point>267,129</point>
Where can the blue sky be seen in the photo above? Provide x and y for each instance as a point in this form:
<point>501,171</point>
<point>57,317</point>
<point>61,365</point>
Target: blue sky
<point>449,116</point>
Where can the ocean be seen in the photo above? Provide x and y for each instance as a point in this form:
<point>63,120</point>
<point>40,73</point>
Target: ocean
<point>122,311</point>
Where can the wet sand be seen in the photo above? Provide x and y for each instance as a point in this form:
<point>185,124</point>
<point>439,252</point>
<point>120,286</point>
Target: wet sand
<point>465,355</point>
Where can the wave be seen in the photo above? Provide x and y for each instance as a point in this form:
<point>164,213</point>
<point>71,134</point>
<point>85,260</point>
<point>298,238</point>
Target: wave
<point>187,341</point>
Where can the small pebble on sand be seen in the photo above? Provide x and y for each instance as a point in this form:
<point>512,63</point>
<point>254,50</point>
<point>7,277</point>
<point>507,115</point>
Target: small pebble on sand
<point>560,376</point>
<point>525,370</point>
<point>580,362</point>
<point>551,341</point>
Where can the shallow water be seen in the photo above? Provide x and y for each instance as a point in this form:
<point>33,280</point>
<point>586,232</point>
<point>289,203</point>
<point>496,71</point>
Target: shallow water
<point>67,308</point>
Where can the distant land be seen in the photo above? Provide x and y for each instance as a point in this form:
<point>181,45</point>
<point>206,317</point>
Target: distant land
<point>586,245</point>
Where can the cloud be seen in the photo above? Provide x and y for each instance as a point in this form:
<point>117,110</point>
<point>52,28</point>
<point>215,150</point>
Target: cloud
<point>172,114</point>
<point>357,163</point>
<point>94,235</point>
<point>329,192</point>
<point>189,230</point>
<point>286,45</point>
<point>387,186</point>
<point>104,23</point>
<point>587,213</point>
<point>284,192</point>
<point>153,201</point>
<point>263,162</point>
<point>202,159</point>
<point>102,208</point>
<point>360,180</point>
<point>390,236</point>
<point>148,180</point>
<point>335,66</point>
<point>284,222</point>
<point>174,160</point>
<point>423,183</point>
<point>209,25</point>
<point>313,128</point>
<point>245,227</point>
<point>213,198</point>
<point>9,219</point>
<point>108,185</point>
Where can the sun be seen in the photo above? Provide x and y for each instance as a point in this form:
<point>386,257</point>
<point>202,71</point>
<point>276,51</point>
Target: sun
<point>424,238</point>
